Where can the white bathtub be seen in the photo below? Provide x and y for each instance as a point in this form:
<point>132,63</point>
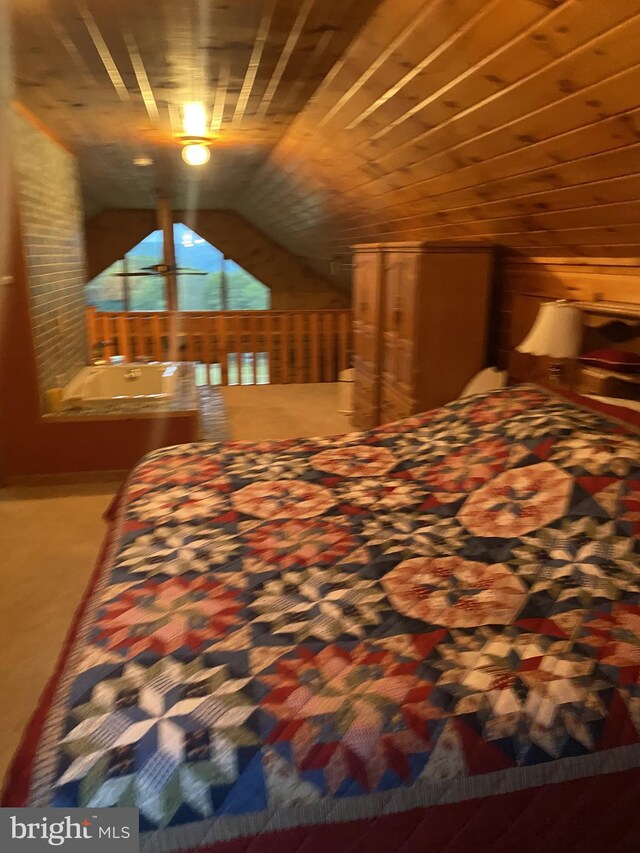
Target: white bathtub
<point>99,385</point>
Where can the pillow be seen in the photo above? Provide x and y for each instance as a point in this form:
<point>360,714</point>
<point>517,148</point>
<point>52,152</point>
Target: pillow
<point>613,359</point>
<point>489,379</point>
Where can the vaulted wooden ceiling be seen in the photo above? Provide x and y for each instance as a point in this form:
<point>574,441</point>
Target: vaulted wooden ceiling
<point>110,77</point>
<point>508,121</point>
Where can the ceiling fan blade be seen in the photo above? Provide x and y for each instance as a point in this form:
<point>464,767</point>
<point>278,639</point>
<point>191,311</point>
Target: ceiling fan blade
<point>160,270</point>
<point>190,271</point>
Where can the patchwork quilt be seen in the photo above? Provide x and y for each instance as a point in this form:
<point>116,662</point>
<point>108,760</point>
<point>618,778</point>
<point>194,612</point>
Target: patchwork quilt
<point>323,631</point>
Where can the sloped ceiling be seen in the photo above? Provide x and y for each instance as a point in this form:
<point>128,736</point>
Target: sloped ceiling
<point>110,77</point>
<point>508,121</point>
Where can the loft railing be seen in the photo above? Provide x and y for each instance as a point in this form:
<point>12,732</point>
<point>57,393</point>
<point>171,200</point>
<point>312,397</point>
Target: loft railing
<point>235,347</point>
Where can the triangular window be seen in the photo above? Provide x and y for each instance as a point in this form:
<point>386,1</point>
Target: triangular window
<point>207,281</point>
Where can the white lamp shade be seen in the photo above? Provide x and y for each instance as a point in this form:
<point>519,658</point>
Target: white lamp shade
<point>556,333</point>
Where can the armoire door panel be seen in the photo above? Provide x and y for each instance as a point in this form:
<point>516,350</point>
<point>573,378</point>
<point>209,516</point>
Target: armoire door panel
<point>389,355</point>
<point>405,364</point>
<point>401,280</point>
<point>365,347</point>
<point>365,383</point>
<point>366,290</point>
<point>364,415</point>
<point>394,406</point>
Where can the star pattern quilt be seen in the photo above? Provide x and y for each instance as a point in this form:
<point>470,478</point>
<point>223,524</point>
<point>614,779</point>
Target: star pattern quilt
<point>326,630</point>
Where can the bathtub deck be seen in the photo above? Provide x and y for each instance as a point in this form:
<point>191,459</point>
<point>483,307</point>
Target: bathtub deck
<point>113,436</point>
<point>186,401</point>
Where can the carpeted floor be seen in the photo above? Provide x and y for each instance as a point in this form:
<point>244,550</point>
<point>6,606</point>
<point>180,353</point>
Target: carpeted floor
<point>283,411</point>
<point>50,540</point>
<point>51,536</point>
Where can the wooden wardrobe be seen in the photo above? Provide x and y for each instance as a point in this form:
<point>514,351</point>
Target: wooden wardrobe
<point>421,314</point>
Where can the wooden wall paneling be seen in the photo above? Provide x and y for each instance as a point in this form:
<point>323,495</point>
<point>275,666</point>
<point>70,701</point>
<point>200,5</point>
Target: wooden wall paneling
<point>572,199</point>
<point>597,215</point>
<point>109,238</point>
<point>381,36</point>
<point>299,347</point>
<point>329,338</point>
<point>557,90</point>
<point>608,135</point>
<point>581,99</point>
<point>607,164</point>
<point>448,65</point>
<point>529,283</point>
<point>314,348</point>
<point>544,84</point>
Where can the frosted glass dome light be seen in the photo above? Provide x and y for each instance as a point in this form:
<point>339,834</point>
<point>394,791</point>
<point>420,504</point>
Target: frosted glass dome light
<point>196,154</point>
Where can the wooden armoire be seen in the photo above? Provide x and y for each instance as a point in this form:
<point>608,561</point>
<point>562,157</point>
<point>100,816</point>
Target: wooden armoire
<point>420,320</point>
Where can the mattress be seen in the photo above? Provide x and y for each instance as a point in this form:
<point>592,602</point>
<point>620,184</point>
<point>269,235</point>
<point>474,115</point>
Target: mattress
<point>421,637</point>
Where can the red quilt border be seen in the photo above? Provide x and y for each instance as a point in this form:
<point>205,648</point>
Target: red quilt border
<point>594,813</point>
<point>618,413</point>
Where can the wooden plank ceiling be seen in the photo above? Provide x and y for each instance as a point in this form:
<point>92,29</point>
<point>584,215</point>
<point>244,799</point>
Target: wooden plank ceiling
<point>110,78</point>
<point>515,122</point>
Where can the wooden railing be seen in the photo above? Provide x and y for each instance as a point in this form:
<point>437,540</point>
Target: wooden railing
<point>237,347</point>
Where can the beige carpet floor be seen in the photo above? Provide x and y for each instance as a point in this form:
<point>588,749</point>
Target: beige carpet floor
<point>51,536</point>
<point>50,540</point>
<point>283,411</point>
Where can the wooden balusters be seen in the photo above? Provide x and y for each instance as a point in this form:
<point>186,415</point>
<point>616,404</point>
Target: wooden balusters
<point>299,346</point>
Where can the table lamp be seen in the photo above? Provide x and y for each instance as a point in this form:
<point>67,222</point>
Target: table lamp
<point>556,334</point>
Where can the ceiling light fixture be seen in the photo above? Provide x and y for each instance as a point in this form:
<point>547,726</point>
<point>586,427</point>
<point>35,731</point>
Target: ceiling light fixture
<point>195,151</point>
<point>194,120</point>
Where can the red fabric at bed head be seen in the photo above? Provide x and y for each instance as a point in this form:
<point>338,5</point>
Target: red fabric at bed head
<point>620,413</point>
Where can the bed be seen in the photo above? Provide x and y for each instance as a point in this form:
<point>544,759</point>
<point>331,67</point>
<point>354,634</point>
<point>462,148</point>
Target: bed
<point>423,637</point>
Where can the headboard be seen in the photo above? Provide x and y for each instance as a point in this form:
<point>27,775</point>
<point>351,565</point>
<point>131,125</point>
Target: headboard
<point>526,283</point>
